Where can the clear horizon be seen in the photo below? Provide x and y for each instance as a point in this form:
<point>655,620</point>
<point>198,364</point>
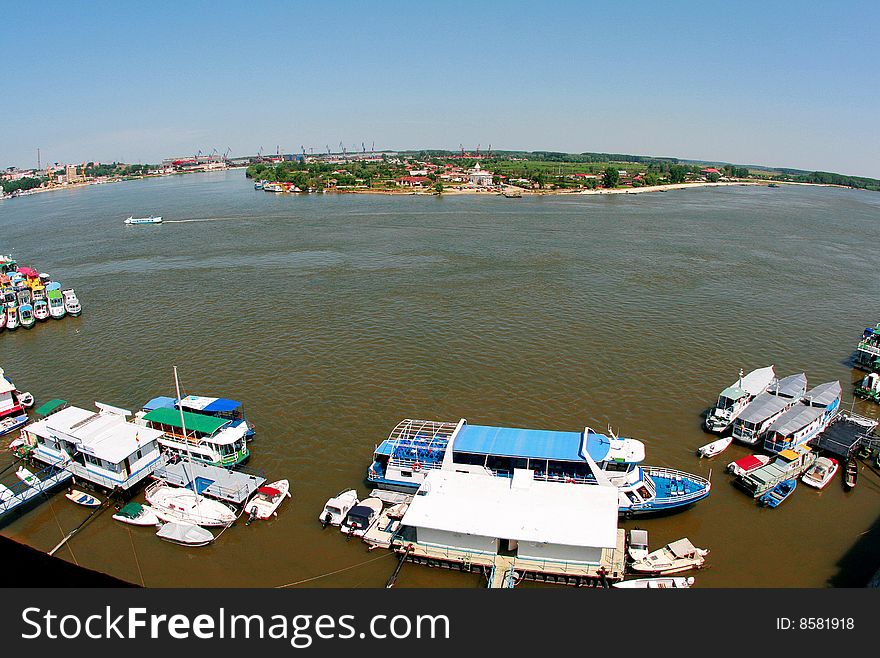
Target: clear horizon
<point>786,84</point>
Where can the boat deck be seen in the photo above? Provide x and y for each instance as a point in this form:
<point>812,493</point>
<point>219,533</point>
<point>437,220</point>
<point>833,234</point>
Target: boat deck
<point>20,493</point>
<point>213,481</point>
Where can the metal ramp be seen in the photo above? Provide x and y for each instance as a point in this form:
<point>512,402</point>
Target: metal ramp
<point>11,498</point>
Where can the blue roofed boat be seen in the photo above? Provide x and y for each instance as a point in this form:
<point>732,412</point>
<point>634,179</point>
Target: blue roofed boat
<point>415,447</point>
<point>223,408</point>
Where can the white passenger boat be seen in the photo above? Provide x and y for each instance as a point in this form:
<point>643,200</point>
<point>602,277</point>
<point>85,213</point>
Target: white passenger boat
<point>735,397</point>
<point>185,534</point>
<point>821,473</point>
<point>755,420</point>
<point>267,499</point>
<point>143,220</point>
<point>715,447</point>
<point>41,310</point>
<point>82,498</point>
<point>12,317</point>
<point>56,304</point>
<point>178,504</point>
<point>361,517</point>
<point>71,303</point>
<point>137,514</point>
<point>656,583</point>
<point>336,508</point>
<point>677,556</point>
<point>26,316</point>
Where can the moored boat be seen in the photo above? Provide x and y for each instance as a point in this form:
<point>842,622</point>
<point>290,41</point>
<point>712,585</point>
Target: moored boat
<point>671,582</point>
<point>677,556</point>
<point>56,304</point>
<point>747,464</point>
<point>788,464</point>
<point>637,544</point>
<point>361,517</point>
<point>777,495</point>
<point>869,387</point>
<point>26,316</point>
<point>755,420</point>
<point>185,534</point>
<point>178,504</point>
<point>143,220</point>
<point>715,447</point>
<point>137,514</point>
<point>41,310</point>
<point>71,303</point>
<point>336,508</point>
<point>12,317</point>
<point>25,399</point>
<point>735,397</point>
<point>804,420</point>
<point>12,409</point>
<point>82,498</point>
<point>821,473</point>
<point>851,476</point>
<point>266,500</point>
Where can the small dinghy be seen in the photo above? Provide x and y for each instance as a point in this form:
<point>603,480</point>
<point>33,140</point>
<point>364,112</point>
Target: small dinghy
<point>656,583</point>
<point>137,514</point>
<point>82,498</point>
<point>27,477</point>
<point>821,473</point>
<point>715,448</point>
<point>25,399</point>
<point>185,534</point>
<point>747,464</point>
<point>852,474</point>
<point>677,556</point>
<point>361,517</point>
<point>777,495</point>
<point>336,508</point>
<point>637,546</point>
<point>267,499</point>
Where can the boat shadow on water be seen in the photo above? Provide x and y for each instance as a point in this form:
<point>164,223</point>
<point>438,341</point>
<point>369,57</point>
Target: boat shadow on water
<point>859,566</point>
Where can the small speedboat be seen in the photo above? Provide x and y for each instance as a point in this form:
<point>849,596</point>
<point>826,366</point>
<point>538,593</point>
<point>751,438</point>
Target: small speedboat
<point>747,464</point>
<point>185,534</point>
<point>361,517</point>
<point>26,316</point>
<point>715,447</point>
<point>41,310</point>
<point>336,508</point>
<point>12,423</point>
<point>637,546</point>
<point>143,220</point>
<point>852,474</point>
<point>680,555</point>
<point>27,477</point>
<point>137,514</point>
<point>82,498</point>
<point>777,495</point>
<point>821,472</point>
<point>267,499</point>
<point>71,303</point>
<point>671,582</point>
<point>25,399</point>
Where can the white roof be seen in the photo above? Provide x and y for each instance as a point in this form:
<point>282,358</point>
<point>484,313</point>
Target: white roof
<point>198,402</point>
<point>6,386</point>
<point>102,434</point>
<point>757,381</point>
<point>518,508</point>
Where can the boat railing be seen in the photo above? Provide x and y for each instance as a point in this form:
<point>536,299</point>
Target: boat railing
<point>674,474</point>
<point>48,477</point>
<point>569,478</point>
<point>869,348</point>
<point>424,464</point>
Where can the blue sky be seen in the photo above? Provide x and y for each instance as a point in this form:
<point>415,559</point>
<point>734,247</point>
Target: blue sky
<point>777,83</point>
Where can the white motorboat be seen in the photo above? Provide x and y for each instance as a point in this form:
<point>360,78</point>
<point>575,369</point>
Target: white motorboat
<point>680,555</point>
<point>26,316</point>
<point>821,473</point>
<point>361,517</point>
<point>747,464</point>
<point>336,508</point>
<point>185,534</point>
<point>267,499</point>
<point>637,544</point>
<point>177,504</point>
<point>143,220</point>
<point>737,396</point>
<point>82,498</point>
<point>657,583</point>
<point>27,477</point>
<point>41,310</point>
<point>137,514</point>
<point>25,399</point>
<point>56,304</point>
<point>71,303</point>
<point>715,447</point>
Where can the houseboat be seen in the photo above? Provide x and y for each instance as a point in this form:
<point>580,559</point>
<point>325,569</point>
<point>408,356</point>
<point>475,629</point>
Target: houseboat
<point>102,446</point>
<point>788,464</point>
<point>206,439</point>
<point>737,396</point>
<point>806,419</point>
<point>755,420</point>
<point>223,408</point>
<point>868,350</point>
<point>869,387</point>
<point>416,447</point>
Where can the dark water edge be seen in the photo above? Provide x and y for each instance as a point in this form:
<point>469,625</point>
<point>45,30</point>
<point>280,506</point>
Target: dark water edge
<point>334,316</point>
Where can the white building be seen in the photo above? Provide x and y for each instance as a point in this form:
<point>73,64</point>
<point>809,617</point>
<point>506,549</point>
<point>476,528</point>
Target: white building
<point>519,516</point>
<point>101,447</point>
<point>478,177</point>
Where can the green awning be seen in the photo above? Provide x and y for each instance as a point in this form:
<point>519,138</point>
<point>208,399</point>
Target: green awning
<point>50,406</point>
<point>194,422</point>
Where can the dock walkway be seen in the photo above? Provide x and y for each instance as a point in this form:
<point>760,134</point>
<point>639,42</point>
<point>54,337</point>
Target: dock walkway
<point>18,494</point>
<point>213,481</point>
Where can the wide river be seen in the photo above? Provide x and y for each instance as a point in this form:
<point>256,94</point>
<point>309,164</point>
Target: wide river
<point>334,316</point>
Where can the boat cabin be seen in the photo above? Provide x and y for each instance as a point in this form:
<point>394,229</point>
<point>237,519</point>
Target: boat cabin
<point>804,420</point>
<point>789,463</point>
<point>204,438</point>
<point>868,349</point>
<point>101,447</point>
<point>754,421</point>
<point>231,410</point>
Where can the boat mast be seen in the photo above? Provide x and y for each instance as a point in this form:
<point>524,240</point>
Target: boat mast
<point>185,440</point>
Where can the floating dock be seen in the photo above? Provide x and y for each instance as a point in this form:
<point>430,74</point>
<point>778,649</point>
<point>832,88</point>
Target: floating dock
<point>223,484</point>
<point>14,497</point>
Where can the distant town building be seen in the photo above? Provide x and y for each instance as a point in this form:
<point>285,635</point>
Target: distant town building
<point>478,177</point>
<point>70,173</point>
<point>413,181</point>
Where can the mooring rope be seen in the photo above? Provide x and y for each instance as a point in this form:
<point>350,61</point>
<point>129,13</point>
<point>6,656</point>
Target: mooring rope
<point>332,573</point>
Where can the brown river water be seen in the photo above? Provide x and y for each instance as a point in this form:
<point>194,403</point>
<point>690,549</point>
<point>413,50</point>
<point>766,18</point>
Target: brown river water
<point>334,316</point>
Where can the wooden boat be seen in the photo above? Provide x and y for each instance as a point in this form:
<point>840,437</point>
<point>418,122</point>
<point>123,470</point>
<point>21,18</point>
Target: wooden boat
<point>747,464</point>
<point>777,495</point>
<point>361,517</point>
<point>267,499</point>
<point>715,447</point>
<point>185,534</point>
<point>821,473</point>
<point>82,498</point>
<point>680,555</point>
<point>336,508</point>
<point>25,399</point>
<point>27,477</point>
<point>656,583</point>
<point>137,514</point>
<point>852,474</point>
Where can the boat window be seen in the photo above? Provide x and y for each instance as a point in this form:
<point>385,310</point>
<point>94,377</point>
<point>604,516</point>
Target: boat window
<point>538,465</point>
<point>497,463</point>
<point>616,467</point>
<point>469,458</point>
<point>406,474</point>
